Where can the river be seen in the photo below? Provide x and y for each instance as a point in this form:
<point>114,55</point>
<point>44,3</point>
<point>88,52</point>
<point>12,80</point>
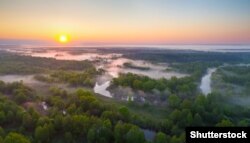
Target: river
<point>205,85</point>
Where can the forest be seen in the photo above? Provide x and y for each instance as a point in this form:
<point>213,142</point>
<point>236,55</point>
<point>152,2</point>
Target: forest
<point>83,116</point>
<point>124,71</point>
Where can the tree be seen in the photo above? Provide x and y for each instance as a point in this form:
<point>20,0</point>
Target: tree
<point>58,122</point>
<point>2,132</point>
<point>225,123</point>
<point>137,84</point>
<point>68,137</point>
<point>175,139</point>
<point>243,123</point>
<point>1,139</point>
<point>135,135</point>
<point>120,131</point>
<point>20,98</point>
<point>197,120</point>
<point>9,116</point>
<point>27,121</point>
<point>124,112</point>
<point>43,133</point>
<point>200,100</point>
<point>2,117</point>
<point>148,86</point>
<point>160,137</point>
<point>186,104</point>
<point>80,124</point>
<point>99,134</point>
<point>82,92</point>
<point>111,115</point>
<point>16,138</point>
<point>174,101</point>
<point>175,115</point>
<point>189,118</point>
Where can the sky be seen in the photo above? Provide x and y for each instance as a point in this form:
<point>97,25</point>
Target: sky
<point>125,21</point>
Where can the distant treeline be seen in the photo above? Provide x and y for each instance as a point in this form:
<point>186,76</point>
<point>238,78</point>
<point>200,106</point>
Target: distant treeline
<point>17,64</point>
<point>190,56</point>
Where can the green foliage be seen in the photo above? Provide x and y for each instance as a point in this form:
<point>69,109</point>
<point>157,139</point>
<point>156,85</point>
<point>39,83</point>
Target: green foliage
<point>124,112</point>
<point>174,101</point>
<point>74,78</point>
<point>19,92</point>
<point>240,75</point>
<point>44,133</point>
<point>85,78</point>
<point>88,119</point>
<point>196,69</point>
<point>68,137</point>
<point>2,132</point>
<point>225,123</point>
<point>135,135</point>
<point>16,138</point>
<point>121,130</point>
<point>177,86</point>
<point>100,133</point>
<point>170,56</point>
<point>83,117</point>
<point>160,138</point>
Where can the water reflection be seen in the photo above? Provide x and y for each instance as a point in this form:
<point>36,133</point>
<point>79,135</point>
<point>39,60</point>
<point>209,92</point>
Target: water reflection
<point>149,134</point>
<point>102,89</point>
<point>205,85</point>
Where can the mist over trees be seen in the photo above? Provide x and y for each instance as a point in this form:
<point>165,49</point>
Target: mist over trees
<point>82,116</point>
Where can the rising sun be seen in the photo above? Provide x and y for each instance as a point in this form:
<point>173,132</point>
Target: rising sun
<point>63,38</point>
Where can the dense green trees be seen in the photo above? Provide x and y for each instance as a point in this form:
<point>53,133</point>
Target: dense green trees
<point>239,75</point>
<point>225,123</point>
<point>128,133</point>
<point>85,78</point>
<point>161,138</point>
<point>184,56</point>
<point>135,135</point>
<point>81,124</point>
<point>174,101</point>
<point>179,86</point>
<point>44,133</point>
<point>101,133</point>
<point>125,113</point>
<point>85,118</point>
<point>80,116</point>
<point>15,138</point>
<point>18,91</point>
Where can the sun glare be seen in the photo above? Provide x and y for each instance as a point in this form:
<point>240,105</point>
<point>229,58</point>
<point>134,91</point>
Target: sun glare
<point>63,38</point>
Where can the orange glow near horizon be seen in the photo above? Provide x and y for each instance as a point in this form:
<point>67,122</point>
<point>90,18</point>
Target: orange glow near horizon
<point>122,22</point>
